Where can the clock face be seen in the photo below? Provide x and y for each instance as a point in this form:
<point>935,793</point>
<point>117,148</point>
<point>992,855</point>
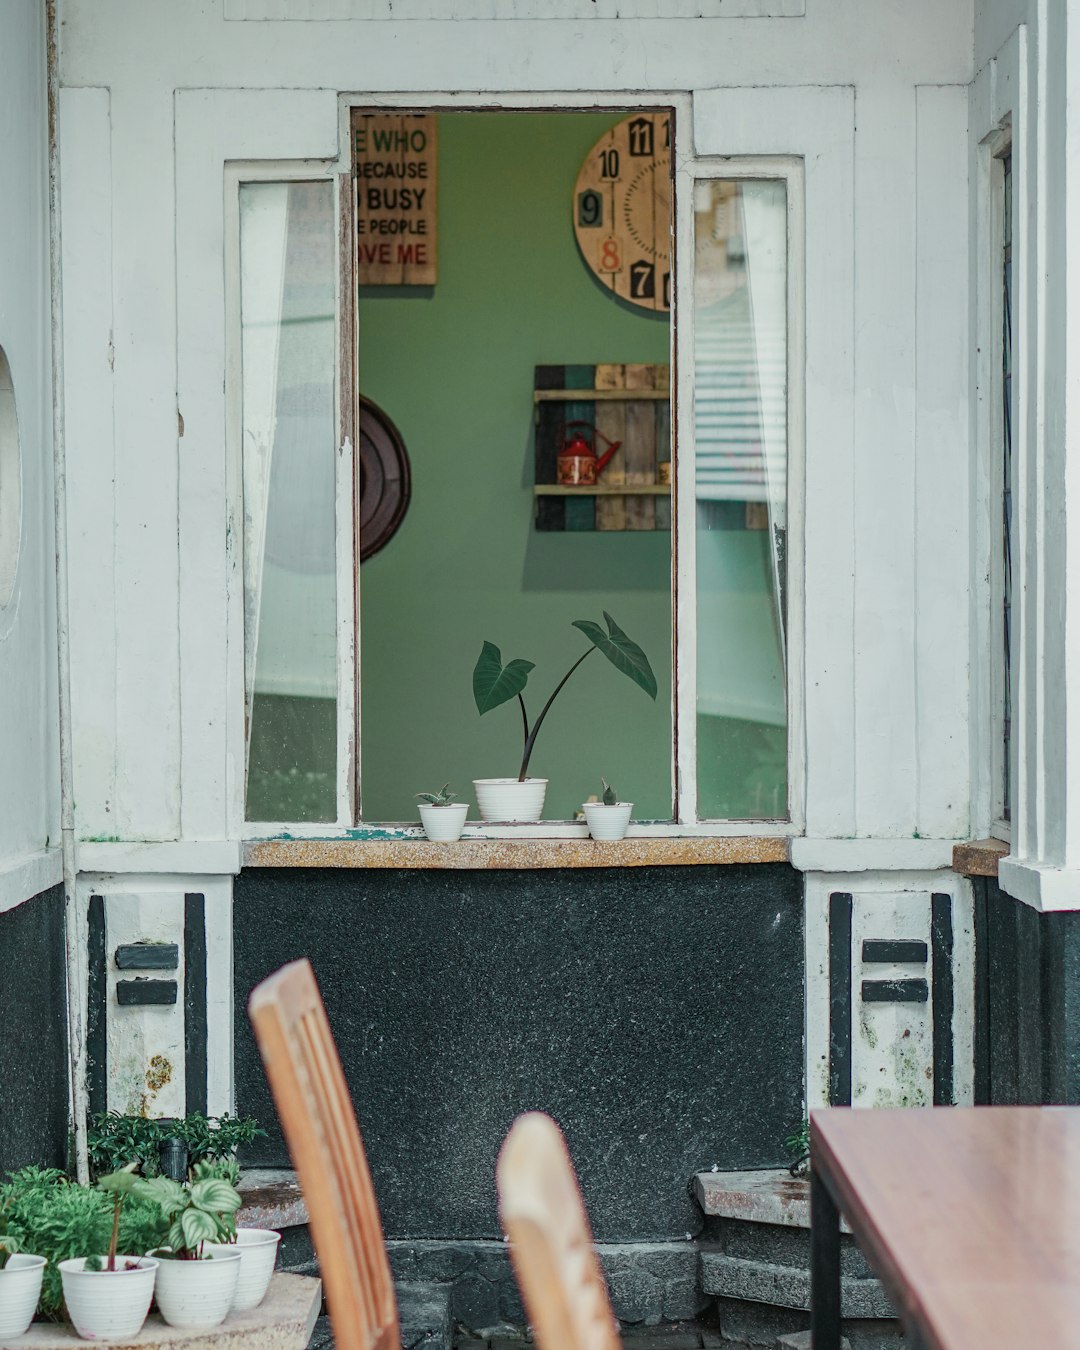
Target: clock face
<point>622,209</point>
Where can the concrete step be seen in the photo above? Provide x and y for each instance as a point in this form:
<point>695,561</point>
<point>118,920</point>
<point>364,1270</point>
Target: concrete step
<point>786,1286</point>
<point>424,1315</point>
<point>800,1340</point>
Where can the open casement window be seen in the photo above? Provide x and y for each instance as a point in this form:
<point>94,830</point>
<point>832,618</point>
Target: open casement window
<point>734,508</point>
<point>289,358</point>
<point>326,730</point>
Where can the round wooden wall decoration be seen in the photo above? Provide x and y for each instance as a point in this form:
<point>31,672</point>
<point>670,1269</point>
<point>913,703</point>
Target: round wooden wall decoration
<point>385,480</point>
<point>622,209</point>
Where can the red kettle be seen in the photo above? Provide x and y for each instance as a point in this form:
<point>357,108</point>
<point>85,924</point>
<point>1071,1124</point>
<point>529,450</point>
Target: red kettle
<point>577,464</point>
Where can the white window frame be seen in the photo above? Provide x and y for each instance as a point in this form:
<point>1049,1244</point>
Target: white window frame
<point>688,168</point>
<point>996,150</point>
<point>305,171</point>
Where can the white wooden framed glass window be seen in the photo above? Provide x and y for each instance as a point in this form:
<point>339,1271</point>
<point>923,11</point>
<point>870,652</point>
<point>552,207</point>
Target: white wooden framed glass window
<point>737,414</point>
<point>1002,476</point>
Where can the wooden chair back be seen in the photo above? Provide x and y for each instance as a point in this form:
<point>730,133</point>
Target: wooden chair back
<point>319,1123</point>
<point>558,1273</point>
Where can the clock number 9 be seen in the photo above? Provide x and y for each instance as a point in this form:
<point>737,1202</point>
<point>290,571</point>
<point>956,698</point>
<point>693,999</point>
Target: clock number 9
<point>609,163</point>
<point>590,208</point>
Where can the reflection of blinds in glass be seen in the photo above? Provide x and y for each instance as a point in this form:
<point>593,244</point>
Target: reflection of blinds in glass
<point>740,400</point>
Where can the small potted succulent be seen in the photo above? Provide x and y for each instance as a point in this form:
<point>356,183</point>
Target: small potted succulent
<point>443,817</point>
<point>609,817</point>
<point>108,1295</point>
<point>20,1285</point>
<point>522,798</point>
<point>199,1268</point>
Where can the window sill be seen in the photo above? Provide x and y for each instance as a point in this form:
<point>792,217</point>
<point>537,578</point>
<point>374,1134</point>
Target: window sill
<point>978,857</point>
<point>484,854</point>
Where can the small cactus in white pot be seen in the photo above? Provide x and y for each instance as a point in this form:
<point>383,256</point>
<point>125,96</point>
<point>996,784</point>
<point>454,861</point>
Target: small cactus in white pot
<point>608,818</point>
<point>443,817</point>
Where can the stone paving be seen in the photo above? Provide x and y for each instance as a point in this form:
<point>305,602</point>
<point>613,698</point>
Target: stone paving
<point>672,1336</point>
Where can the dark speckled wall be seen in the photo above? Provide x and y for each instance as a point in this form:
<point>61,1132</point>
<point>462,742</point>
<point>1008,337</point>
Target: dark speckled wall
<point>33,1047</point>
<point>1027,1024</point>
<point>656,1013</point>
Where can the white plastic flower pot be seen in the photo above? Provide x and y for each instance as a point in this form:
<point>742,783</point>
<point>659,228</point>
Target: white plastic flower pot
<point>198,1294</point>
<point>506,800</point>
<point>258,1255</point>
<point>20,1289</point>
<point>108,1305</point>
<point>607,822</point>
<point>444,824</point>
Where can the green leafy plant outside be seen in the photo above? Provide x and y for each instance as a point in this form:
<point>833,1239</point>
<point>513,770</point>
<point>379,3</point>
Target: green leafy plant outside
<point>116,1140</point>
<point>444,797</point>
<point>609,798</point>
<point>495,683</point>
<point>9,1245</point>
<point>51,1216</point>
<point>797,1144</point>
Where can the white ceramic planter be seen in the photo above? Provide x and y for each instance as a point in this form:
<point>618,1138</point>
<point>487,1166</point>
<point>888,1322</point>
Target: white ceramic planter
<point>607,822</point>
<point>504,800</point>
<point>108,1305</point>
<point>20,1289</point>
<point>444,824</point>
<point>258,1256</point>
<point>198,1294</point>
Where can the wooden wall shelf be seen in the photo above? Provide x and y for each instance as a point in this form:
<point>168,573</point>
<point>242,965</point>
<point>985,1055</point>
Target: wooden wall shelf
<point>630,404</point>
<point>601,395</point>
<point>603,490</point>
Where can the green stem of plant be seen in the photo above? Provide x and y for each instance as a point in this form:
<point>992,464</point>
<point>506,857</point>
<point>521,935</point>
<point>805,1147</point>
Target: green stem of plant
<point>530,739</point>
<point>524,719</point>
<point>115,1231</point>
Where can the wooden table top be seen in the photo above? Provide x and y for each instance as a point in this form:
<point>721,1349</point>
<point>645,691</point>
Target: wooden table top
<point>970,1216</point>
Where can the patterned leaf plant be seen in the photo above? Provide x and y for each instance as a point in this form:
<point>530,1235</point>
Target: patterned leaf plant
<point>495,683</point>
<point>204,1211</point>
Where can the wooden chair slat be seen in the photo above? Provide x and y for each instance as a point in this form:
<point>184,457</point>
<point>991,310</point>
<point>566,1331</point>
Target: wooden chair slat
<point>317,1117</point>
<point>551,1248</point>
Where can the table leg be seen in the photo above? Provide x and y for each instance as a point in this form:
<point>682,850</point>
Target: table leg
<point>824,1267</point>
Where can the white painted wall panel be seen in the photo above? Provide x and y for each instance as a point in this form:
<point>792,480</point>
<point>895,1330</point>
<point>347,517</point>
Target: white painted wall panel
<point>944,490</point>
<point>838,42</point>
<point>90,448</point>
<point>884,692</point>
<point>29,755</point>
<point>399,10</point>
<point>145,448</point>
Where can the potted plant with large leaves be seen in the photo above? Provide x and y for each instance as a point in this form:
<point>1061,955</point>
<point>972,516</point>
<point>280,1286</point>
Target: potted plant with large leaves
<point>197,1274</point>
<point>522,798</point>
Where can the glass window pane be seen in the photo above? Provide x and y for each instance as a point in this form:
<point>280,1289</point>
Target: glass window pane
<point>740,418</point>
<point>288,286</point>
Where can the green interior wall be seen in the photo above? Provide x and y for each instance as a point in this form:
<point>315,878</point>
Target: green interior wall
<point>453,367</point>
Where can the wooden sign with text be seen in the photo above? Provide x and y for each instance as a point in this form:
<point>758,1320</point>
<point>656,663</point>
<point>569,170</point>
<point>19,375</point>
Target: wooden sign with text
<point>395,162</point>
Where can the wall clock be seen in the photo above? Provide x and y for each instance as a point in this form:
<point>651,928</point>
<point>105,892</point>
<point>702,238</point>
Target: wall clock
<point>385,479</point>
<point>622,209</point>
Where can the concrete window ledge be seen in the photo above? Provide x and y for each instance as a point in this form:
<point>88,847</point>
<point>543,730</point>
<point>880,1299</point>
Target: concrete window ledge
<point>485,854</point>
<point>979,857</point>
<point>1044,887</point>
